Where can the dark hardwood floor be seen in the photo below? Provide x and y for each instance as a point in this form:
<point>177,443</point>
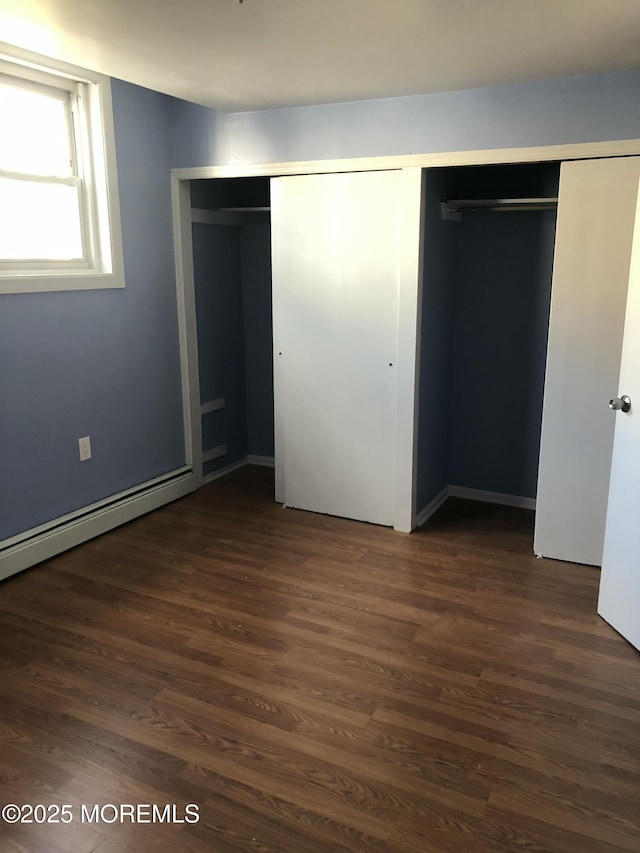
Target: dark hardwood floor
<point>315,684</point>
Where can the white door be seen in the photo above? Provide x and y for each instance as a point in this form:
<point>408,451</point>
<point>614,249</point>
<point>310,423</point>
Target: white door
<point>594,236</point>
<point>336,249</point>
<point>619,601</point>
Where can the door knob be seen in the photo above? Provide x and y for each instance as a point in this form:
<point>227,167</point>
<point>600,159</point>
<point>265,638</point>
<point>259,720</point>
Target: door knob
<point>622,404</point>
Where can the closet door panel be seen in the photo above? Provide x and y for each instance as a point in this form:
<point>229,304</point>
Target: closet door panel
<point>596,212</point>
<point>619,599</point>
<point>336,274</point>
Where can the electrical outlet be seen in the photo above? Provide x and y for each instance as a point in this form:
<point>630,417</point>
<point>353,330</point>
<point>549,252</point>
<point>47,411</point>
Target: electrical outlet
<point>84,448</point>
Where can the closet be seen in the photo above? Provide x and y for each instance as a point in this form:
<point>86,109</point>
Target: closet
<point>458,407</point>
<point>232,280</point>
<point>345,287</point>
<point>484,325</point>
<point>426,348</point>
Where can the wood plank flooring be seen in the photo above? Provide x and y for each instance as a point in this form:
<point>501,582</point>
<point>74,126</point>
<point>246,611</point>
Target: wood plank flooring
<point>315,684</point>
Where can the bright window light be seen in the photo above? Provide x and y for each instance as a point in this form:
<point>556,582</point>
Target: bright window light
<point>39,221</point>
<point>59,217</point>
<point>36,128</point>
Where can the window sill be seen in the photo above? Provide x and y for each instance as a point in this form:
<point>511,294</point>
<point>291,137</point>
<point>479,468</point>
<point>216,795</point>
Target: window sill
<point>64,281</point>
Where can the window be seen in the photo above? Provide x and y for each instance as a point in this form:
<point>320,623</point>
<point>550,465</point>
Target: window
<point>59,217</point>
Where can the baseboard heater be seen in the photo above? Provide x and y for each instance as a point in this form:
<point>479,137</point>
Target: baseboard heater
<point>41,543</point>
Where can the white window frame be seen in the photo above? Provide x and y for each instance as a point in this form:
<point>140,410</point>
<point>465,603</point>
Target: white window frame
<point>95,175</point>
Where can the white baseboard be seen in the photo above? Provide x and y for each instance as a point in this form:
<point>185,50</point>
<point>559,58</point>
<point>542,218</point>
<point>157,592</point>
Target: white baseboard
<point>264,461</point>
<point>492,497</point>
<point>432,507</point>
<point>44,545</point>
<point>49,540</point>
<point>472,495</point>
<point>222,472</point>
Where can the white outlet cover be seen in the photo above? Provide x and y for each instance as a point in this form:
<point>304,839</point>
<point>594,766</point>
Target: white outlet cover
<point>84,448</point>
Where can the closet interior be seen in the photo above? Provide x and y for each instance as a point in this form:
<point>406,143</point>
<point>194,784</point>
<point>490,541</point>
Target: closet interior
<point>484,325</point>
<point>232,277</point>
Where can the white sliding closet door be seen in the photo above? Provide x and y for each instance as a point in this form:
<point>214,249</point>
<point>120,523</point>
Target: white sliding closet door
<point>337,268</point>
<point>596,212</point>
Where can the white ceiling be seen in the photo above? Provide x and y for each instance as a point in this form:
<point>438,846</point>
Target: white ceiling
<point>260,54</point>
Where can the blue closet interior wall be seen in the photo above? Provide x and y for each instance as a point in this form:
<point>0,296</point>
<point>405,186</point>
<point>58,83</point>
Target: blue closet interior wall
<point>258,332</point>
<point>441,238</point>
<point>485,316</point>
<point>218,290</point>
<point>232,274</point>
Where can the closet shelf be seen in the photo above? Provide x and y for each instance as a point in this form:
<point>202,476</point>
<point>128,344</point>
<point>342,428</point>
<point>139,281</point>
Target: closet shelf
<point>245,209</point>
<point>453,208</point>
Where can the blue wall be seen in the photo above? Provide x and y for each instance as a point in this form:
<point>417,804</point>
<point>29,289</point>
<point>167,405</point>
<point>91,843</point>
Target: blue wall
<point>232,272</point>
<point>99,363</point>
<point>501,320</point>
<point>105,363</point>
<point>218,286</point>
<point>258,332</point>
<point>192,130</point>
<point>485,316</point>
<point>575,109</point>
<point>434,422</point>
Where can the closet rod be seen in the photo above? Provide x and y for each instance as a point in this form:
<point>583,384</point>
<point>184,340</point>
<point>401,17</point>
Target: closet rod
<point>454,207</point>
<point>265,209</point>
